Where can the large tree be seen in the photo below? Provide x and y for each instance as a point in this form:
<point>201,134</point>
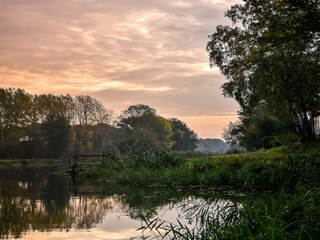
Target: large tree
<point>258,130</point>
<point>56,131</point>
<point>184,139</point>
<point>143,124</point>
<point>272,57</point>
<point>88,112</point>
<point>15,116</point>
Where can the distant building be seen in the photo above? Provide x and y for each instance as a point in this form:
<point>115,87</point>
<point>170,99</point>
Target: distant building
<point>215,146</point>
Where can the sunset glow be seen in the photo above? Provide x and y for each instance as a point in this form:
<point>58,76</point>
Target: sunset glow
<point>121,53</point>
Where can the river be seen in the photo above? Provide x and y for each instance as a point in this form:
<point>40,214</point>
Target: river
<point>38,202</point>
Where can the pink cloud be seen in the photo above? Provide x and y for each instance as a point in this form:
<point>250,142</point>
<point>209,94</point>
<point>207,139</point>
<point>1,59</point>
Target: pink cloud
<point>121,52</point>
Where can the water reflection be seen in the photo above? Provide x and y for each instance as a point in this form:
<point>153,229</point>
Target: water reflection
<point>32,198</point>
<point>37,203</point>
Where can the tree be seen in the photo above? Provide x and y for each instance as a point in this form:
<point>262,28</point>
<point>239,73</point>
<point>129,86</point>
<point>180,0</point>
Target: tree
<point>103,137</point>
<point>258,130</point>
<point>56,130</point>
<point>143,124</point>
<point>48,104</point>
<point>135,115</point>
<point>184,139</point>
<point>272,57</point>
<point>88,112</point>
<point>39,125</point>
<point>15,116</point>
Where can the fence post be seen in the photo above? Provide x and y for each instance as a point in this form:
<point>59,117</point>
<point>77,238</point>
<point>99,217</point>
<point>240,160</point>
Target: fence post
<point>73,163</point>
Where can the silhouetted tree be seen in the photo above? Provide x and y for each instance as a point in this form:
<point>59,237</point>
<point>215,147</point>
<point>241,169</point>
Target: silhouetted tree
<point>143,124</point>
<point>258,130</point>
<point>184,139</point>
<point>271,56</point>
<point>56,130</point>
<point>15,116</point>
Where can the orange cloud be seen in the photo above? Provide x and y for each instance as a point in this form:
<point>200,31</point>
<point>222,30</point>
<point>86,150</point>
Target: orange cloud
<point>121,52</point>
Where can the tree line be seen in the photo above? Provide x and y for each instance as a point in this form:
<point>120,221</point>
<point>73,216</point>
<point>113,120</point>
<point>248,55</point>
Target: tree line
<point>52,126</point>
<point>271,59</point>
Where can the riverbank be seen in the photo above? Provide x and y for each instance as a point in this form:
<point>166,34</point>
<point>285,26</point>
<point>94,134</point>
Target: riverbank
<point>4,163</point>
<point>281,189</point>
<point>264,170</point>
<point>288,183</point>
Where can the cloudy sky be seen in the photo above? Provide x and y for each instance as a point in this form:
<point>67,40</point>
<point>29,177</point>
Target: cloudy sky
<point>120,52</point>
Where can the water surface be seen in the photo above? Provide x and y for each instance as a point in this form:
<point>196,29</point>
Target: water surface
<point>38,203</point>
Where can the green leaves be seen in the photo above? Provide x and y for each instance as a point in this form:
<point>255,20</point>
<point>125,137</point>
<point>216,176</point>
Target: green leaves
<point>271,56</point>
<point>143,124</point>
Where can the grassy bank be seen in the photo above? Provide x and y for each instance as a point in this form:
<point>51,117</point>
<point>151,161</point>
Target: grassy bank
<point>264,170</point>
<point>288,183</point>
<point>5,163</point>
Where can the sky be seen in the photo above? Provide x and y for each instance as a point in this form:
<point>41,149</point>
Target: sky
<point>122,53</point>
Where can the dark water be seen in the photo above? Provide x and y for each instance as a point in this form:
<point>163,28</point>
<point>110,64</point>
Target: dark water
<point>38,203</point>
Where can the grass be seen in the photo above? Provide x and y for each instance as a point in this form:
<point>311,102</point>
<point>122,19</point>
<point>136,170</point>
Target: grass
<point>285,183</point>
<point>4,163</point>
<point>248,170</point>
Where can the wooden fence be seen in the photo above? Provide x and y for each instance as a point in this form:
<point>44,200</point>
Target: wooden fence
<point>78,160</point>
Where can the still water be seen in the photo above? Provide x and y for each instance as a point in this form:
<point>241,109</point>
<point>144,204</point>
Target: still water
<point>38,203</point>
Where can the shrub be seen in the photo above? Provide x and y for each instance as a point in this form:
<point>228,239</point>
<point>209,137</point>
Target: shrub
<point>142,156</point>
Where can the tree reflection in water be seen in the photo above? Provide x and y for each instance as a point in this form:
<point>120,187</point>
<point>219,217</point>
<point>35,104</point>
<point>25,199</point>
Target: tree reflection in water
<point>35,199</point>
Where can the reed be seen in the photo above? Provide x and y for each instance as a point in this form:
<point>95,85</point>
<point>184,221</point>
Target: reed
<point>290,209</point>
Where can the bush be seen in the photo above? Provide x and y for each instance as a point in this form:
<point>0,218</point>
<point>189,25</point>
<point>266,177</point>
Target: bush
<point>269,142</point>
<point>142,156</point>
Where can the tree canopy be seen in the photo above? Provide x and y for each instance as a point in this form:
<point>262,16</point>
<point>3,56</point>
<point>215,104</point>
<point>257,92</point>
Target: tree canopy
<point>145,125</point>
<point>271,56</point>
<point>183,137</point>
<point>46,125</point>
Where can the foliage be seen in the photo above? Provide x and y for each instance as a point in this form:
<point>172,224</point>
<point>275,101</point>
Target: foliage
<point>143,156</point>
<point>271,57</point>
<point>141,165</point>
<point>87,112</point>
<point>263,170</point>
<point>183,137</point>
<point>258,130</point>
<point>143,124</point>
<point>56,130</point>
<point>290,211</point>
<point>262,217</point>
<point>36,126</point>
<point>103,137</point>
<point>15,115</point>
<point>46,125</point>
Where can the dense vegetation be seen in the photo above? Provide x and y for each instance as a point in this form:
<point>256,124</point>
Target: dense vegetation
<point>49,126</point>
<point>271,61</point>
<point>282,187</point>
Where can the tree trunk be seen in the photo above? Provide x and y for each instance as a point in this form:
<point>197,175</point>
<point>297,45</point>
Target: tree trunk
<point>302,122</point>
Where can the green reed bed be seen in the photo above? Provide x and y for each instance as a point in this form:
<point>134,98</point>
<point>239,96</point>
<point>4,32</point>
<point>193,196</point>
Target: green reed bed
<point>265,170</point>
<point>283,200</point>
<point>250,170</point>
<point>263,217</point>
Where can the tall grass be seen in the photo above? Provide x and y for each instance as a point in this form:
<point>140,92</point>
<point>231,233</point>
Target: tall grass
<point>290,211</point>
<point>259,171</point>
<point>252,171</point>
<point>263,217</point>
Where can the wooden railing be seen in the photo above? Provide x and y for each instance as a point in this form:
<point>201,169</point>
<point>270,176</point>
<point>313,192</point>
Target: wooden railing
<point>77,160</point>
